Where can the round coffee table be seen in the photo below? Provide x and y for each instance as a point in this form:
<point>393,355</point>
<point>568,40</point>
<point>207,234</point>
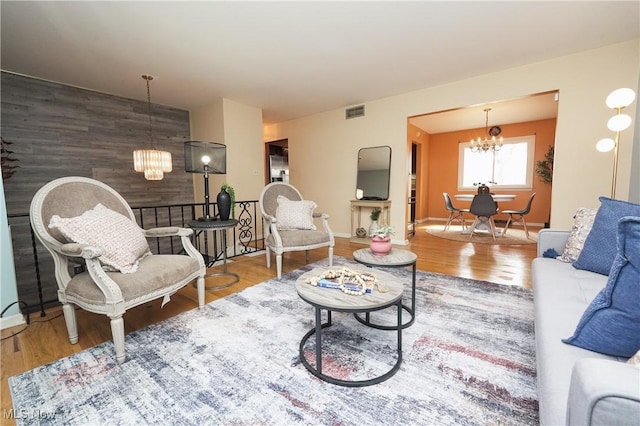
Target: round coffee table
<point>397,258</point>
<point>335,300</point>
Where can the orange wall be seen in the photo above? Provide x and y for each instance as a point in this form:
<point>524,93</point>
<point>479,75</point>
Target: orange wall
<point>442,170</point>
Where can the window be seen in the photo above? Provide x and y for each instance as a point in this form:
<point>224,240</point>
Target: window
<point>510,168</point>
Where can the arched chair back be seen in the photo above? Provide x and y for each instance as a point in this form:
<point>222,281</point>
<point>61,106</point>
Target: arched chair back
<point>97,236</point>
<point>279,239</point>
<point>516,217</point>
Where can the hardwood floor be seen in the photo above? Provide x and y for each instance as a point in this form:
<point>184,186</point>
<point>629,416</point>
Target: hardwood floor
<point>46,340</point>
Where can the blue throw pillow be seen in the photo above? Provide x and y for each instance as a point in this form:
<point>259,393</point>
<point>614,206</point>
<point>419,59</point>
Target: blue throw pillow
<point>600,246</point>
<point>611,323</point>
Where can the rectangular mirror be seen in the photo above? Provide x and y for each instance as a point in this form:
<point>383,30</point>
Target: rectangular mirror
<point>374,166</point>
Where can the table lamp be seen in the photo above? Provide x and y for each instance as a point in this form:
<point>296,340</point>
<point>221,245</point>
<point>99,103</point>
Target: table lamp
<point>207,158</point>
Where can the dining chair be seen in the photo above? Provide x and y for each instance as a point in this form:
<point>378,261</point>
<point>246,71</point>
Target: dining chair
<point>454,212</point>
<point>484,208</point>
<point>516,217</point>
<point>290,224</point>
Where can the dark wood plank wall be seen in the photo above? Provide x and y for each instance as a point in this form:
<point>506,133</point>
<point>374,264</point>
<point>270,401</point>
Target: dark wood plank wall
<point>60,130</point>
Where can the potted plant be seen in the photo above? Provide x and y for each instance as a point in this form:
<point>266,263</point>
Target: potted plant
<point>226,202</point>
<point>544,168</point>
<point>380,244</point>
<point>374,216</point>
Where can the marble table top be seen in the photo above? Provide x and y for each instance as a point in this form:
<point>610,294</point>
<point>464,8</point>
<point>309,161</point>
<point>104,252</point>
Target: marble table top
<point>336,300</point>
<point>396,257</point>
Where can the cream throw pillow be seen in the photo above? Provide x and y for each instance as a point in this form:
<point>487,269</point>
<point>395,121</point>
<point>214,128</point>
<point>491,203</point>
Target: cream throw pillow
<point>122,242</point>
<point>582,223</point>
<point>635,360</point>
<point>294,214</point>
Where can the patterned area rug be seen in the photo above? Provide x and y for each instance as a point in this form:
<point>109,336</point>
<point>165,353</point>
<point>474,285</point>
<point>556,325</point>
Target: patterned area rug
<point>513,236</point>
<point>468,359</point>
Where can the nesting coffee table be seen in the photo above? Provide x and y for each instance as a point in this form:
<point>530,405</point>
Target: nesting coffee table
<point>397,258</point>
<point>334,300</point>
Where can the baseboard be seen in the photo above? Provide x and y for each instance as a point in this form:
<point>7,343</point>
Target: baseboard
<point>12,321</point>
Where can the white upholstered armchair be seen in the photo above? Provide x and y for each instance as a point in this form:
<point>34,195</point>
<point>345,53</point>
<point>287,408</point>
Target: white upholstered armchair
<point>290,223</point>
<point>83,220</point>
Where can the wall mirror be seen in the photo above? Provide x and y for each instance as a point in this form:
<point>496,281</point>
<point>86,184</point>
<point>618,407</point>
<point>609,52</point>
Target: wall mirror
<point>374,165</point>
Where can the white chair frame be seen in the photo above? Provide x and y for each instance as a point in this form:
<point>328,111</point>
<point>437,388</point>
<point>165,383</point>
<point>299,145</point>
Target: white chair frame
<point>115,305</point>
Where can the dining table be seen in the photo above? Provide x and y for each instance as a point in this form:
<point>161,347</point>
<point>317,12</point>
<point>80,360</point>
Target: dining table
<point>496,197</point>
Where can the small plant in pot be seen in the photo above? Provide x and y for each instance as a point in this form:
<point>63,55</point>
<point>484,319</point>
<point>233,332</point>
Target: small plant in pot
<point>374,216</point>
<point>226,202</point>
<point>381,241</point>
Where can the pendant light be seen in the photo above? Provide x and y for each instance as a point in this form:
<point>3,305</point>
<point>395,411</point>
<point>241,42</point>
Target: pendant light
<point>152,162</point>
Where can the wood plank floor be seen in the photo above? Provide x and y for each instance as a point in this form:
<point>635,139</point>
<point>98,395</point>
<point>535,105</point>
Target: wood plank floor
<point>46,340</point>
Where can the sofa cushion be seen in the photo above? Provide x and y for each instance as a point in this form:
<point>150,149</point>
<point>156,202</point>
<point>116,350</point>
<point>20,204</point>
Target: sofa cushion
<point>295,214</point>
<point>120,239</point>
<point>599,249</point>
<point>582,223</point>
<point>611,323</point>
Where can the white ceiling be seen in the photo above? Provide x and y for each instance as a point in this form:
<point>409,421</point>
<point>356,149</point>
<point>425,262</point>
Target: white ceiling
<point>293,59</point>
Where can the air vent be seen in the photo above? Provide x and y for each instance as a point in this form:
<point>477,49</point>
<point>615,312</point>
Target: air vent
<point>354,112</point>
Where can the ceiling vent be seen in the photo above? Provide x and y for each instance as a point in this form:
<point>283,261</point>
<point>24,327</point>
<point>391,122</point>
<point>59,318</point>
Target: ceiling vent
<point>354,112</point>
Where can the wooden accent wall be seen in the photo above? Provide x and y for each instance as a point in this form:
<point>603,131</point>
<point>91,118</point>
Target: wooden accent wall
<point>60,130</point>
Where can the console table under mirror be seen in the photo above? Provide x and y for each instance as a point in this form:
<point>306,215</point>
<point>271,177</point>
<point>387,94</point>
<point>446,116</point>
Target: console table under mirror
<point>372,188</point>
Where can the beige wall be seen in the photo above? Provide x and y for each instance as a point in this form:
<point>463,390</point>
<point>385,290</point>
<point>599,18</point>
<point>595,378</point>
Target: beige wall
<point>323,147</point>
<point>240,128</point>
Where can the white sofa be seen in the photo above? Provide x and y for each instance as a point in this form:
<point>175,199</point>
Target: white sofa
<point>575,386</point>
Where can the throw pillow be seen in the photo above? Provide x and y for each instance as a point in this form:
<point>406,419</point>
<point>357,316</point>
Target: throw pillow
<point>294,214</point>
<point>582,223</point>
<point>600,246</point>
<point>610,323</point>
<point>122,242</point>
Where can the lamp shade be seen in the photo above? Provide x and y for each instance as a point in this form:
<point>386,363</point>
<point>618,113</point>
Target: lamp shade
<point>199,154</point>
<point>619,122</point>
<point>605,145</point>
<point>620,98</point>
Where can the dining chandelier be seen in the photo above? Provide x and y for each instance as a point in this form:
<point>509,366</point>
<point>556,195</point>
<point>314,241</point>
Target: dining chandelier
<point>487,144</point>
<point>152,162</point>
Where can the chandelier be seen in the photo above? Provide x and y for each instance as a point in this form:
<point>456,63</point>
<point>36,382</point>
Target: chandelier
<point>487,144</point>
<point>154,163</point>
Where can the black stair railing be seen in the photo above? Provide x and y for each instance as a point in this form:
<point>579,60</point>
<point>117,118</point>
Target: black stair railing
<point>35,272</point>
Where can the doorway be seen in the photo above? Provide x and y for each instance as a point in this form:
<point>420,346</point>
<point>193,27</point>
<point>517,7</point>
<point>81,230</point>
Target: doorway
<point>277,161</point>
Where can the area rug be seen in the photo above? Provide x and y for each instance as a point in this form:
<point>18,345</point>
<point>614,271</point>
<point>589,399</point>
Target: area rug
<point>454,232</point>
<point>468,359</point>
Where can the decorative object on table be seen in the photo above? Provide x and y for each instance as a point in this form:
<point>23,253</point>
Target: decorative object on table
<point>483,188</point>
<point>486,144</point>
<point>349,281</point>
<point>474,371</point>
<point>207,158</point>
<point>374,216</point>
<point>361,232</point>
<point>226,202</point>
<point>152,162</point>
<point>380,244</point>
<point>618,100</point>
<point>8,168</point>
